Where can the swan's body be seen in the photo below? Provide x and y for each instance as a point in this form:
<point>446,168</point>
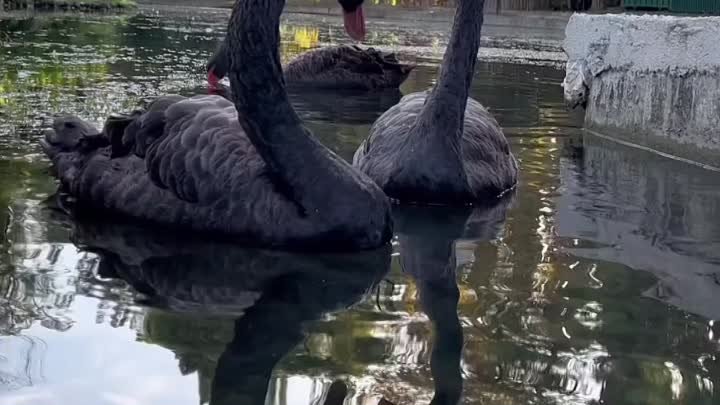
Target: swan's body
<point>347,67</point>
<point>413,169</point>
<point>334,67</point>
<point>249,170</point>
<point>442,147</point>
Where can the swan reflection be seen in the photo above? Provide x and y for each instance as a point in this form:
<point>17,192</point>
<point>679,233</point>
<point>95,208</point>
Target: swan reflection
<point>233,315</point>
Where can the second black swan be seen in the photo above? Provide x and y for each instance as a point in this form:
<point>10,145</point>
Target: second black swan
<point>440,146</point>
<point>335,67</point>
<point>345,67</point>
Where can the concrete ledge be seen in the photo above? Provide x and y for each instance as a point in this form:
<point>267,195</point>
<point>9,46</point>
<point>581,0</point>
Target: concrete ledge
<point>650,80</point>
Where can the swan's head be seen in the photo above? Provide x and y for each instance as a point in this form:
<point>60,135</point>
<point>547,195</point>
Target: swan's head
<point>71,134</point>
<point>217,67</point>
<point>67,131</point>
<point>354,18</point>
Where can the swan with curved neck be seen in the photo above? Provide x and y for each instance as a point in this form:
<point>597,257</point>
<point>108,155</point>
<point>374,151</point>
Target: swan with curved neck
<point>440,146</point>
<point>247,168</point>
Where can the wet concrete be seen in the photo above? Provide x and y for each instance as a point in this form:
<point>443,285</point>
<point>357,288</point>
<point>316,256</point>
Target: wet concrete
<point>650,80</point>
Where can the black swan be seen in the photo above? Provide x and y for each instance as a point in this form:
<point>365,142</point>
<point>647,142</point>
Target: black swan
<point>440,146</point>
<point>337,67</point>
<point>334,67</point>
<point>256,173</point>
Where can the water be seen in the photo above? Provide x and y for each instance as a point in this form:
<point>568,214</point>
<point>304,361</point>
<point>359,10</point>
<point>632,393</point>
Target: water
<point>598,283</point>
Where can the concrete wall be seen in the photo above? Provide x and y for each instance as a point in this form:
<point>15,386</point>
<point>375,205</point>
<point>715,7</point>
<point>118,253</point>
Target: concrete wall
<point>649,80</point>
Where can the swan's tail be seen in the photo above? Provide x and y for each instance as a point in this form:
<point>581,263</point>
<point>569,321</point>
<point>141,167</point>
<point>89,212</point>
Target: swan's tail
<point>72,139</point>
<point>394,71</point>
<point>66,144</point>
<point>71,142</point>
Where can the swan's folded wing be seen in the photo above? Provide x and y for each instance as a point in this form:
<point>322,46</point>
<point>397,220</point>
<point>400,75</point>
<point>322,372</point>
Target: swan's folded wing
<point>145,128</point>
<point>323,60</point>
<point>200,150</point>
<point>374,65</point>
<point>360,61</point>
<point>388,130</point>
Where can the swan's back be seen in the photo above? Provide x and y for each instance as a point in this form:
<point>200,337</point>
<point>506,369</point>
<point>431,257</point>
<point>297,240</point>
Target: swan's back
<point>182,162</point>
<point>347,67</point>
<point>489,169</point>
<point>491,166</point>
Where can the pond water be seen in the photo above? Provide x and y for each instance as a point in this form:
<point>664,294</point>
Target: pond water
<point>599,282</point>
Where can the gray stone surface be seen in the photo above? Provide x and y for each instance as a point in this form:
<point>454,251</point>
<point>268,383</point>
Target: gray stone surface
<point>649,80</point>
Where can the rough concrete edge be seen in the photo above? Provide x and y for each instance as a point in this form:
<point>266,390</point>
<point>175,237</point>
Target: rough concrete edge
<point>642,42</point>
<point>597,44</point>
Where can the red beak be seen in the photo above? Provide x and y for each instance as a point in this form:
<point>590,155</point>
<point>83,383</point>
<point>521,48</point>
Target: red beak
<point>355,24</point>
<point>213,81</point>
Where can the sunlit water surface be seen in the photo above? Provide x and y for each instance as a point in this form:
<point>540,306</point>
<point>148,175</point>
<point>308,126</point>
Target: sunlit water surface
<point>599,283</point>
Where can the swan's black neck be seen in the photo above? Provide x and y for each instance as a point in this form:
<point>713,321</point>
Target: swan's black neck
<point>444,110</point>
<point>295,159</point>
<point>255,72</point>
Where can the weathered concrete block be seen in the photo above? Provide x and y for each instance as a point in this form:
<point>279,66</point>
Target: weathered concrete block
<point>649,80</point>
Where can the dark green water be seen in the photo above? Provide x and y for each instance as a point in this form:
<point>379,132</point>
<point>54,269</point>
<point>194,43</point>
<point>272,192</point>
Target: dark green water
<point>600,283</point>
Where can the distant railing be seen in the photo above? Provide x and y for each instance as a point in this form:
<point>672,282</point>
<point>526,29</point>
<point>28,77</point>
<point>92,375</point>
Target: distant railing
<point>675,6</point>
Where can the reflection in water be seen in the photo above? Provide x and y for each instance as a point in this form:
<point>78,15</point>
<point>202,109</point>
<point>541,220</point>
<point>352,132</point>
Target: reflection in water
<point>271,293</point>
<point>24,367</point>
<point>599,283</point>
<point>266,297</point>
<point>427,245</point>
<point>647,213</point>
<point>343,107</point>
<point>297,40</point>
